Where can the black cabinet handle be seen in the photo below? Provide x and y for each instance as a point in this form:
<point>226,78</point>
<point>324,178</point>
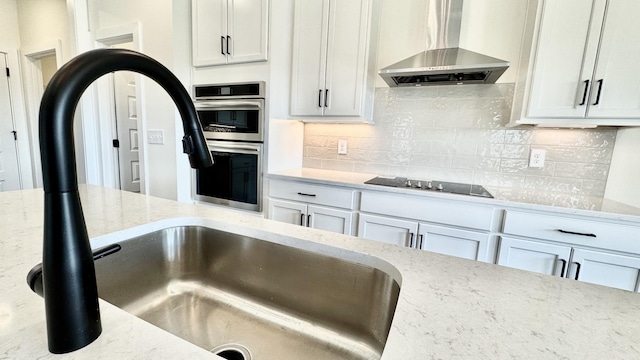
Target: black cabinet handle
<point>304,194</point>
<point>326,97</point>
<point>577,270</point>
<point>599,92</point>
<point>222,45</point>
<point>228,39</point>
<point>309,220</point>
<point>320,98</point>
<point>564,267</point>
<point>584,95</point>
<point>576,233</point>
<point>301,219</point>
<point>411,240</point>
<point>420,241</point>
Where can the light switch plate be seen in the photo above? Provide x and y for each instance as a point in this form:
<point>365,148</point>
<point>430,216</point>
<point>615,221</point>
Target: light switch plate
<point>536,160</point>
<point>155,136</point>
<point>342,147</point>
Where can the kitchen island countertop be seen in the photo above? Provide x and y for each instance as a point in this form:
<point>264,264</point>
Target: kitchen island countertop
<point>448,308</point>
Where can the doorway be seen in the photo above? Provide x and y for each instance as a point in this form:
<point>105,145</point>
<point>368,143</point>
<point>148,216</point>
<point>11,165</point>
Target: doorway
<point>126,124</point>
<point>9,163</point>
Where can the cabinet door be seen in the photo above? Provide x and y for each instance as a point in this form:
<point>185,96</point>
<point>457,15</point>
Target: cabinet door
<point>209,32</point>
<point>615,76</point>
<point>346,58</point>
<point>461,243</point>
<point>565,57</point>
<point>247,30</point>
<point>533,256</point>
<point>392,231</point>
<point>309,57</point>
<point>323,218</point>
<point>612,270</point>
<point>288,212</point>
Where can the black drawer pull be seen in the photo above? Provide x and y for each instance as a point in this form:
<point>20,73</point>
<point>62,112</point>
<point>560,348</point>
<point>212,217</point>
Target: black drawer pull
<point>303,194</point>
<point>575,233</point>
<point>309,220</point>
<point>577,270</point>
<point>411,240</point>
<point>301,219</point>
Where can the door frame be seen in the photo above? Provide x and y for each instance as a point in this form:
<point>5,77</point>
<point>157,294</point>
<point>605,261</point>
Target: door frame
<point>33,89</point>
<point>105,107</point>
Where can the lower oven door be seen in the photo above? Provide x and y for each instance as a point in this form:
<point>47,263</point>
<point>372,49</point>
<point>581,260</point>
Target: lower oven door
<point>235,179</point>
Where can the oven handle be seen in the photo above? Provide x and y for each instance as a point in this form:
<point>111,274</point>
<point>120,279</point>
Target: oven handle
<point>218,146</point>
<point>227,104</point>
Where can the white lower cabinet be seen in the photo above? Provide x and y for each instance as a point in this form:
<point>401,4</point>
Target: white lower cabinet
<point>592,266</point>
<point>316,206</point>
<point>317,217</point>
<point>440,239</point>
<point>614,270</point>
<point>534,256</point>
<point>391,231</point>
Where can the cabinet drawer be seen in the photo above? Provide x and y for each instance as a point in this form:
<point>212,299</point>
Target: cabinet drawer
<point>313,194</point>
<point>429,209</point>
<point>573,231</point>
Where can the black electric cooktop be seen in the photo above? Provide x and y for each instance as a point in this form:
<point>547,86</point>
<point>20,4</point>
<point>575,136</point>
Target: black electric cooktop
<point>431,185</point>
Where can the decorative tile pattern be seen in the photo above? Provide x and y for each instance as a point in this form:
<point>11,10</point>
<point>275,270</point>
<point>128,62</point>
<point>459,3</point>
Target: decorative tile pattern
<point>458,133</point>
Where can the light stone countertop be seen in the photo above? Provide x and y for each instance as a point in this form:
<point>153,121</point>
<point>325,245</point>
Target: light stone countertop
<point>449,308</point>
<point>590,206</point>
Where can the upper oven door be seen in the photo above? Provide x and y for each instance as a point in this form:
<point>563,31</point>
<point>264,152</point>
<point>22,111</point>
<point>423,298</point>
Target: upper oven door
<point>232,119</point>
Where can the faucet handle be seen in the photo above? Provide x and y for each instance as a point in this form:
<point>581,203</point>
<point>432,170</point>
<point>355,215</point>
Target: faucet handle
<point>187,145</point>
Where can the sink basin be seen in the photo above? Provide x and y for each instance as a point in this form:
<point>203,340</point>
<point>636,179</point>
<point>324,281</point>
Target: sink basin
<point>223,291</point>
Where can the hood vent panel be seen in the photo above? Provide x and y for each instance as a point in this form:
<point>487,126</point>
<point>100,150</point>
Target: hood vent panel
<point>447,63</point>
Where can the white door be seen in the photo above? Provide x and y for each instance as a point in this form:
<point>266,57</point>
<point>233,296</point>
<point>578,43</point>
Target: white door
<point>391,231</point>
<point>346,60</point>
<point>247,29</point>
<point>615,78</point>
<point>309,57</point>
<point>565,58</point>
<point>288,212</point>
<point>534,256</point>
<point>335,220</point>
<point>209,32</point>
<point>9,169</point>
<point>461,243</point>
<point>618,271</point>
<point>127,128</point>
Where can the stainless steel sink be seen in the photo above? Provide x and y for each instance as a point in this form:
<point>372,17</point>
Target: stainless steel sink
<point>216,289</point>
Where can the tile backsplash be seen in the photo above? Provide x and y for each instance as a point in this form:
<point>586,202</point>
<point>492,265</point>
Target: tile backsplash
<point>459,133</point>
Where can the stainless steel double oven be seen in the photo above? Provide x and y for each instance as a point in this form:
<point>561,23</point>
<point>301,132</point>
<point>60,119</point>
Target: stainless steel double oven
<point>232,117</point>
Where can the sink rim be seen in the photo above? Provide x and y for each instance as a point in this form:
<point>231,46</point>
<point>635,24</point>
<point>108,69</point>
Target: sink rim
<point>264,235</point>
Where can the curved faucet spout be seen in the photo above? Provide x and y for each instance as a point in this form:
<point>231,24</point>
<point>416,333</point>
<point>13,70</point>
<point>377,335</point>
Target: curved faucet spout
<point>69,283</point>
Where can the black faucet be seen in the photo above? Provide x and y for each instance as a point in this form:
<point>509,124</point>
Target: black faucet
<point>70,290</point>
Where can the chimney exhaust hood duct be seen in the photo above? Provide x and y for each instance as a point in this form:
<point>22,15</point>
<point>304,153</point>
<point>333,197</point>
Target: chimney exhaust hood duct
<point>444,62</point>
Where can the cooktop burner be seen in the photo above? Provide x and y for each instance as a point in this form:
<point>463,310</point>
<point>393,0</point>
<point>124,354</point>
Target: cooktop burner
<point>431,185</point>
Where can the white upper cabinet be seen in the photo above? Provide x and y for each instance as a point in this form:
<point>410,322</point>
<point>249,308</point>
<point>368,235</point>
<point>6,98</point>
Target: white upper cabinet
<point>334,43</point>
<point>229,31</point>
<point>583,64</point>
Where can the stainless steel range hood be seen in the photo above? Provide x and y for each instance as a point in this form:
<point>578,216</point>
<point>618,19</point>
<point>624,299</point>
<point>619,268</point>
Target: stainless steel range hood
<point>444,62</point>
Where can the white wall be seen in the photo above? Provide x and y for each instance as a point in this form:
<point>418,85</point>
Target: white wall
<point>156,21</point>
<point>495,28</point>
<point>622,184</point>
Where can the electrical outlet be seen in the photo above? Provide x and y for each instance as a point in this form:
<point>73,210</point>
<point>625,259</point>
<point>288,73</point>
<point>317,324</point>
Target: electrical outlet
<point>536,160</point>
<point>155,136</point>
<point>342,147</point>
